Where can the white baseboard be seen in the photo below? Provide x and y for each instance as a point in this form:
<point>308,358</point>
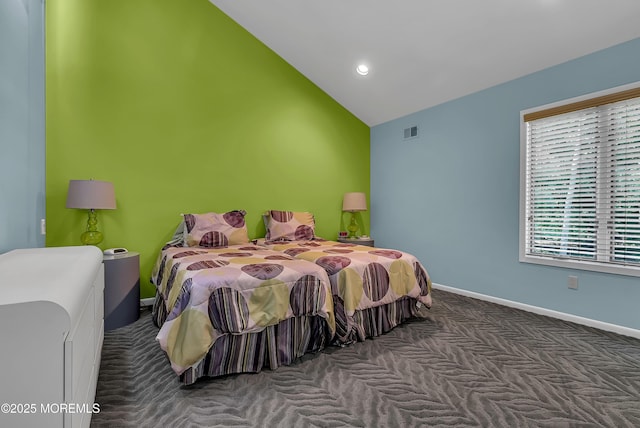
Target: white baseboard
<point>626,331</point>
<point>146,302</point>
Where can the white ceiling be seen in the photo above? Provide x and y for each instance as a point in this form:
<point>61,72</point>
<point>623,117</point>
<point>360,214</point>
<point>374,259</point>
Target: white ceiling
<point>425,52</point>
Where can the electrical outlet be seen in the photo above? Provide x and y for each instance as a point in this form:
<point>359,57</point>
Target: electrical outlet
<point>43,227</point>
<point>572,282</point>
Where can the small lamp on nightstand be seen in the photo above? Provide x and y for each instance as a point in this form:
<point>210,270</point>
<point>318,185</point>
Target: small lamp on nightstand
<point>91,195</point>
<point>354,202</point>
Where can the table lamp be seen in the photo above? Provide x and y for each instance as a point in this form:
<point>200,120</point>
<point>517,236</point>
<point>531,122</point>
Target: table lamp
<point>91,195</point>
<point>354,202</point>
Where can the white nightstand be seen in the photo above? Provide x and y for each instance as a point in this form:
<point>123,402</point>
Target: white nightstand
<point>357,241</point>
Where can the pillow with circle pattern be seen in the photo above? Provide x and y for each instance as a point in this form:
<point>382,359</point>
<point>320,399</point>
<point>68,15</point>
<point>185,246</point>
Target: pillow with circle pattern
<point>214,230</point>
<point>290,226</point>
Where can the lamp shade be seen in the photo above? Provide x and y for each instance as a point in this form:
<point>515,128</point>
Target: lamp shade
<point>355,201</point>
<point>91,194</point>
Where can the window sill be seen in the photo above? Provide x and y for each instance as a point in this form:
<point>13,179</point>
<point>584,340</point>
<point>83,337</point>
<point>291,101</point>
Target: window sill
<point>582,265</point>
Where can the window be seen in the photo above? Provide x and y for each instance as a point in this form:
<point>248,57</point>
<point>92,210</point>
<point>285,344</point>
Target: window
<point>580,183</point>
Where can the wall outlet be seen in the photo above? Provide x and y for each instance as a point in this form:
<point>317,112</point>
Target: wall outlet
<point>43,227</point>
<point>572,282</point>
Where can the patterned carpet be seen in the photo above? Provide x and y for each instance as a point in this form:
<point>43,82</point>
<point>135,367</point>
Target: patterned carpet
<point>469,363</point>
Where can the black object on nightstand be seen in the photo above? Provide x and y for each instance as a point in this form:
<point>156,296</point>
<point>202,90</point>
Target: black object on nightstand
<point>121,289</point>
<point>357,241</point>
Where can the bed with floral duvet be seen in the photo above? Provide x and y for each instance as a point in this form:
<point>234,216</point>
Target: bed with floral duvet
<point>373,289</point>
<point>226,306</point>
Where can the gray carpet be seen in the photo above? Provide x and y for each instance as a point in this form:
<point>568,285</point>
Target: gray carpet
<point>469,363</point>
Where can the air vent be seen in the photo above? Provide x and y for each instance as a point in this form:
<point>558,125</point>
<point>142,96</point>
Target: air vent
<point>411,132</point>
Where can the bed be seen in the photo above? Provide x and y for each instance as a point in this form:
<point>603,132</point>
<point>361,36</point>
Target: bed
<point>226,306</point>
<point>373,289</point>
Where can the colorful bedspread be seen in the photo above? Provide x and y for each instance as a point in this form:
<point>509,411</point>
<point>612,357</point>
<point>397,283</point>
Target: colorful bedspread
<point>363,277</point>
<point>211,292</point>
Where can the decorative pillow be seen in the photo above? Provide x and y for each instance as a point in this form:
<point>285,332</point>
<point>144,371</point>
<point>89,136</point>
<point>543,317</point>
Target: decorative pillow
<point>215,230</point>
<point>290,226</point>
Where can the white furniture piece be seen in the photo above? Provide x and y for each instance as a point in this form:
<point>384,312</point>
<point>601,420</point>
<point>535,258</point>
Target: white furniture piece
<point>51,333</point>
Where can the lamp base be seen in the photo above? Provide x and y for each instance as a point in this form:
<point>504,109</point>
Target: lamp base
<point>353,226</point>
<point>91,237</point>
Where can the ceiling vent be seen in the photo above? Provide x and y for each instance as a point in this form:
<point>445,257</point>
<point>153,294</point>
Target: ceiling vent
<point>411,132</point>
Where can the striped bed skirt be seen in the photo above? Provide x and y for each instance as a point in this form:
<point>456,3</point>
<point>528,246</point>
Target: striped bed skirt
<point>371,322</point>
<point>275,346</point>
<point>283,343</point>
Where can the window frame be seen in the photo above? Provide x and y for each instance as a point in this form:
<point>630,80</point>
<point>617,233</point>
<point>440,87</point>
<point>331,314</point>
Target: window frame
<point>604,267</point>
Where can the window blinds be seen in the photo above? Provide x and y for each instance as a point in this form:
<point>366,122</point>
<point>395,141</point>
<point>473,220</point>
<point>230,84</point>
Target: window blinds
<point>583,183</point>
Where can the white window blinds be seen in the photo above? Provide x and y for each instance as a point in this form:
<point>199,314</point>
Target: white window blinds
<point>582,182</point>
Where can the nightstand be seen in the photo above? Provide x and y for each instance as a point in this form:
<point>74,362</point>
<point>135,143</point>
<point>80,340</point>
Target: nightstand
<point>121,289</point>
<point>357,241</point>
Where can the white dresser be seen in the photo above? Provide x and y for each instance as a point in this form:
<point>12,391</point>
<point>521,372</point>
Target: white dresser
<point>51,333</point>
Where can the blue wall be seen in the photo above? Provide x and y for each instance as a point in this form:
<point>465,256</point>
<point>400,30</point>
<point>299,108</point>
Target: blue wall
<point>22,146</point>
<point>451,196</point>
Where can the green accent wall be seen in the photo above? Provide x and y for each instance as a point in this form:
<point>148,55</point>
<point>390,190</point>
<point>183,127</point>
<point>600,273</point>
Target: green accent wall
<point>185,111</point>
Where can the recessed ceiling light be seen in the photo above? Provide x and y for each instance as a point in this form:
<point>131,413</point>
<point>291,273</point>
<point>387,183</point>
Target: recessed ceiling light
<point>362,70</point>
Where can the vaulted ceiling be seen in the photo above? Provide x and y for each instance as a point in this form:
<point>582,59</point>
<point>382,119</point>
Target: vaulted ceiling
<point>425,52</point>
